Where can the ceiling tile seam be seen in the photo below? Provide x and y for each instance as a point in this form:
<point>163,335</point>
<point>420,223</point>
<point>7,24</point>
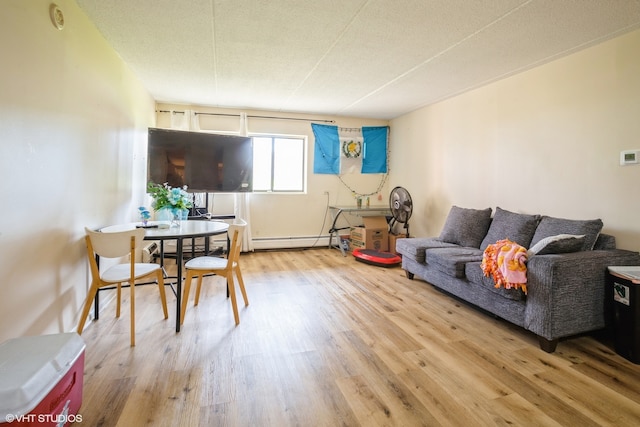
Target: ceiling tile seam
<point>437,55</point>
<point>325,54</point>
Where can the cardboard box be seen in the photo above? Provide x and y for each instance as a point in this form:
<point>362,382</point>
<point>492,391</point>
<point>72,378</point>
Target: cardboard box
<point>392,242</point>
<point>41,380</point>
<point>373,235</point>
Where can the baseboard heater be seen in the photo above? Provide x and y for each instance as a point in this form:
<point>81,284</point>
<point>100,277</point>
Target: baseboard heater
<point>149,251</point>
<point>152,249</point>
<point>290,242</point>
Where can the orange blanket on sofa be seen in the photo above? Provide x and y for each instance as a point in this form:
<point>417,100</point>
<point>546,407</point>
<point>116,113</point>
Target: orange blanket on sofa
<point>505,261</point>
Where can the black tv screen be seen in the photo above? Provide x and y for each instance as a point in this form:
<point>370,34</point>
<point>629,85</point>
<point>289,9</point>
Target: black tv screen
<point>204,162</point>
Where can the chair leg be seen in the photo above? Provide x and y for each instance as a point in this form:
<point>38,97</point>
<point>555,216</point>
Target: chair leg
<point>93,290</point>
<point>232,295</point>
<point>197,300</point>
<point>185,295</point>
<point>241,284</point>
<point>163,296</point>
<point>133,313</point>
<point>118,296</point>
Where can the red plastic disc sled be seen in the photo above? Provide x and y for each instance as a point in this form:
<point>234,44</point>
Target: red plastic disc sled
<point>373,257</point>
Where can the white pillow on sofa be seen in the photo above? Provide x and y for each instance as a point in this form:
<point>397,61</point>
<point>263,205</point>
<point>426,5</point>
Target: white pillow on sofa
<point>558,244</point>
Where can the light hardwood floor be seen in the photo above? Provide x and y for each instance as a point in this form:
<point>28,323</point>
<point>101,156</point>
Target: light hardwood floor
<point>328,341</point>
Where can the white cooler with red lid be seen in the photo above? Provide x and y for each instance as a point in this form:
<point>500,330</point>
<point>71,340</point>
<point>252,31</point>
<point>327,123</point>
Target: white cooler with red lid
<point>41,380</point>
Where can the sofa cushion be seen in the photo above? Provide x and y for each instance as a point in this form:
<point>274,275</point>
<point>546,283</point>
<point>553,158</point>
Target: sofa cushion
<point>414,247</point>
<point>558,244</point>
<point>605,242</point>
<point>518,228</point>
<point>473,272</point>
<point>466,227</point>
<point>452,260</point>
<point>550,226</point>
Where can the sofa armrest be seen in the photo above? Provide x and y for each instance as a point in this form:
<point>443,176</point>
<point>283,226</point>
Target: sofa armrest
<point>566,292</point>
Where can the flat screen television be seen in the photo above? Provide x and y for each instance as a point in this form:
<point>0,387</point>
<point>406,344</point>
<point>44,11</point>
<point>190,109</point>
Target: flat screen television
<point>204,162</point>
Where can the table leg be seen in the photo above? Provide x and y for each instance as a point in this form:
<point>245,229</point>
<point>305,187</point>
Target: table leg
<point>178,281</point>
<point>162,254</point>
<point>228,246</point>
<point>335,231</point>
<point>96,305</point>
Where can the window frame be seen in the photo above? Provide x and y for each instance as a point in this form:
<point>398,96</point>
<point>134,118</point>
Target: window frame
<point>273,136</point>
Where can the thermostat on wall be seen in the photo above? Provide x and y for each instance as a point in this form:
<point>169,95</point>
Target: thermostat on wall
<point>629,157</point>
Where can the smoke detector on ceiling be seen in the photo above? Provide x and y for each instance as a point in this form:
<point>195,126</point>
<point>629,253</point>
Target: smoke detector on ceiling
<point>57,17</point>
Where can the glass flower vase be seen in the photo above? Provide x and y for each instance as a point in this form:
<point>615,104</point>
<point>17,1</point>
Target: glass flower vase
<point>180,215</point>
<point>164,215</point>
<point>172,216</point>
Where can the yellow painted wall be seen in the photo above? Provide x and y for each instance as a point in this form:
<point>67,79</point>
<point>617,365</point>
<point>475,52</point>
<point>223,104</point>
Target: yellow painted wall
<point>545,141</point>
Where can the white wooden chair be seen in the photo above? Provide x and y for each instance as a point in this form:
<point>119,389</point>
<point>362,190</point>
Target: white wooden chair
<point>200,266</point>
<point>119,245</point>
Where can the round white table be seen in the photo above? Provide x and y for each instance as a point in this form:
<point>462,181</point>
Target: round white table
<point>178,232</point>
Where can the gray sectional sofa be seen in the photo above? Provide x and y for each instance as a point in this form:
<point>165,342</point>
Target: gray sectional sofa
<point>566,265</point>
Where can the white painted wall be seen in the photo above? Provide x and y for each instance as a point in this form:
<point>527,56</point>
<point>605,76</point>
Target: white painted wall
<point>545,141</point>
<point>72,129</point>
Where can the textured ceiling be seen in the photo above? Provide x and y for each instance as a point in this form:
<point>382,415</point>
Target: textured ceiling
<point>363,58</point>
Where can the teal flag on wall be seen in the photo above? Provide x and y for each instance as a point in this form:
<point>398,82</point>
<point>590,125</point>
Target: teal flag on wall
<point>374,159</point>
<point>326,150</point>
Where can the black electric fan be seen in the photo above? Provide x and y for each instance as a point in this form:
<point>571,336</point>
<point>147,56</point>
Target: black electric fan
<point>401,207</point>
